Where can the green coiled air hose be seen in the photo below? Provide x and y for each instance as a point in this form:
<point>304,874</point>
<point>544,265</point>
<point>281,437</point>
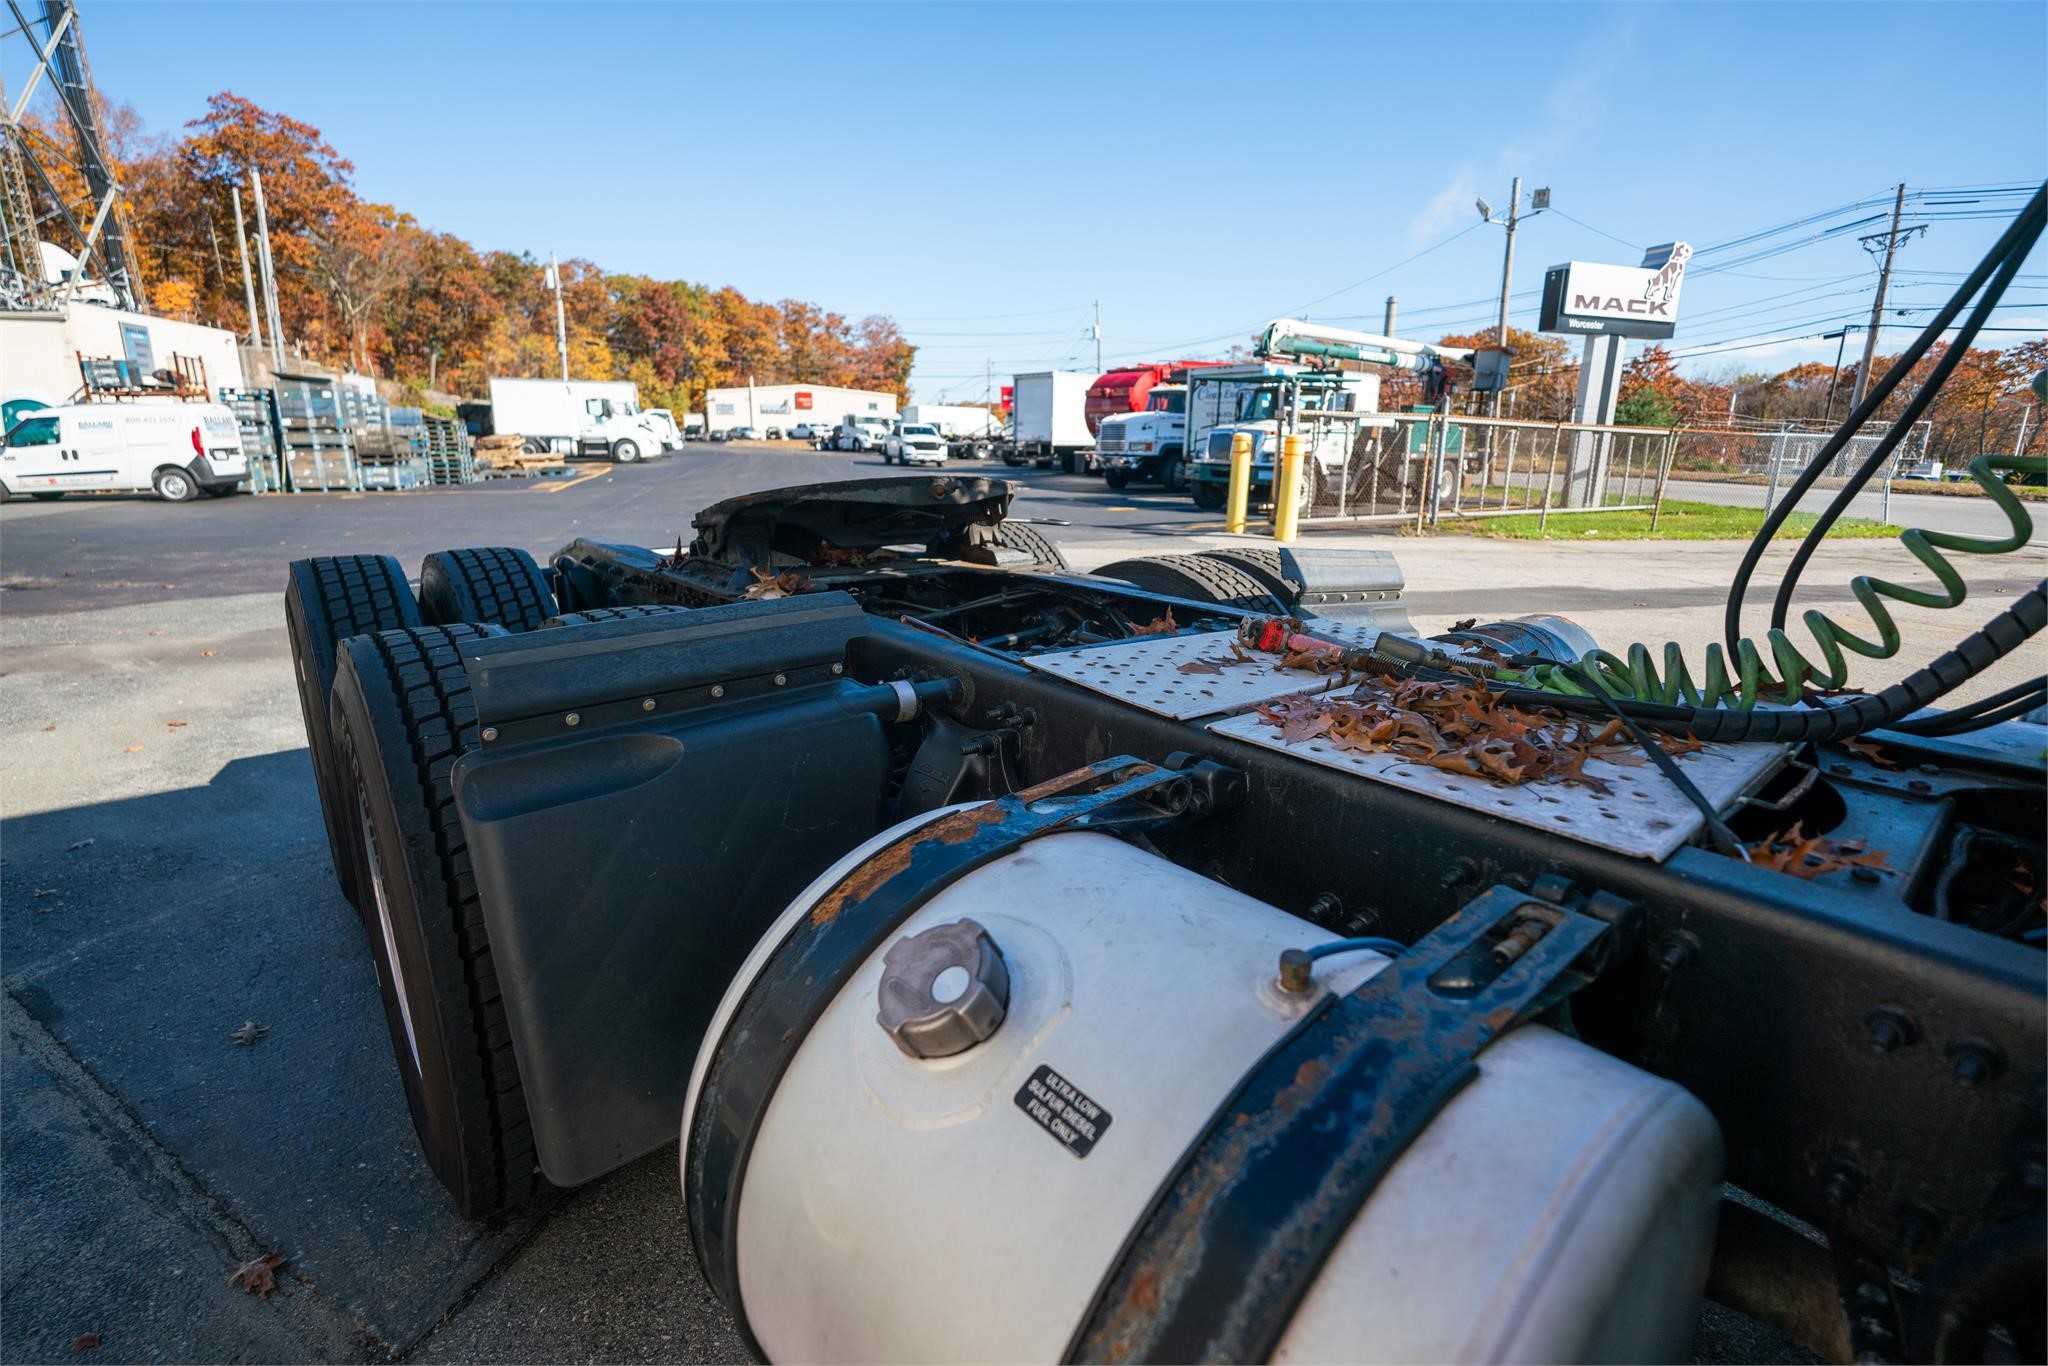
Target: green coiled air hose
<point>1636,677</point>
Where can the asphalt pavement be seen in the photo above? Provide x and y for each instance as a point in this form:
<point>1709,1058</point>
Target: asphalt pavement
<point>164,882</point>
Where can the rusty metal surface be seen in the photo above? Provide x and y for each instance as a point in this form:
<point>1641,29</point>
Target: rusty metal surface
<point>1237,1235</point>
<point>849,924</point>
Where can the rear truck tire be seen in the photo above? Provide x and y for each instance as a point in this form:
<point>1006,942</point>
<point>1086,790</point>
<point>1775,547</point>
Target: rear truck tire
<point>1210,495</point>
<point>1173,473</point>
<point>494,584</point>
<point>625,452</point>
<point>596,614</point>
<point>1066,462</point>
<point>48,497</point>
<point>402,715</point>
<point>1195,578</point>
<point>1268,567</point>
<point>326,601</point>
<point>174,485</point>
<point>1013,460</point>
<point>533,445</point>
<point>1017,536</point>
<point>1117,479</point>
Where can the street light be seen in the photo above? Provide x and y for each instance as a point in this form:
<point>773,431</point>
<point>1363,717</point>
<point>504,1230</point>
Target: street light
<point>1539,200</point>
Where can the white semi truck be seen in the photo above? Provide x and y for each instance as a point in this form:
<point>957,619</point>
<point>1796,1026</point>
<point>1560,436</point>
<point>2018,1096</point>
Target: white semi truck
<point>593,419</point>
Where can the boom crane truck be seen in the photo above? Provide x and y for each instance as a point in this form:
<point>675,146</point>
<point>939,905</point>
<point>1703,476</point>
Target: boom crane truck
<point>1297,386</point>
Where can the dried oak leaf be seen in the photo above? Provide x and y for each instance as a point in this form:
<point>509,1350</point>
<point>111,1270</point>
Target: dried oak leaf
<point>1796,854</point>
<point>258,1275</point>
<point>1158,626</point>
<point>767,585</point>
<point>175,725</point>
<point>52,726</point>
<point>1199,666</point>
<point>85,1342</point>
<point>1866,750</point>
<point>248,1032</point>
<point>133,749</point>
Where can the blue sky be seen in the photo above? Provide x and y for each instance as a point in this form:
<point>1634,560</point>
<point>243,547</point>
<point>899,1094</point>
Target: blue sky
<point>985,173</point>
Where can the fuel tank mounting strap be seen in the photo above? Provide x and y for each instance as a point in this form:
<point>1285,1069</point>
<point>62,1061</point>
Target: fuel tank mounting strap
<point>1237,1234</point>
<point>849,924</point>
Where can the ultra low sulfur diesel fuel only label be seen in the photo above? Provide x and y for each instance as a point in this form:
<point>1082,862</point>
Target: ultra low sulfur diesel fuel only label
<point>1063,1110</point>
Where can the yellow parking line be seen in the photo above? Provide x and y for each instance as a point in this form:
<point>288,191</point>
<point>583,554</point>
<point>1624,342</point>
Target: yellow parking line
<point>557,485</point>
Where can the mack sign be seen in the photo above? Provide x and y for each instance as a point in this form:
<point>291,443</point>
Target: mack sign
<point>1624,301</point>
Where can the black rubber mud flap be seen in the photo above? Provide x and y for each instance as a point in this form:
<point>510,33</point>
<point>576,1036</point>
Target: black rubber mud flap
<point>326,601</point>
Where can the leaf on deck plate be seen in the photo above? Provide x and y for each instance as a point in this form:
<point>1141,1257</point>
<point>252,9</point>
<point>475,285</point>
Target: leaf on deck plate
<point>258,1275</point>
<point>1864,749</point>
<point>1158,626</point>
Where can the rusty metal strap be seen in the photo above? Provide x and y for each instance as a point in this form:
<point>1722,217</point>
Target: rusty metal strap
<point>1235,1237</point>
<point>847,925</point>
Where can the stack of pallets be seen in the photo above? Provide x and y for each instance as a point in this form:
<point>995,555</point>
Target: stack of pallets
<point>256,414</point>
<point>392,450</point>
<point>319,457</point>
<point>504,457</point>
<point>449,457</point>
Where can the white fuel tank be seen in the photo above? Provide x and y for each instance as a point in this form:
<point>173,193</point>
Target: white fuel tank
<point>899,1208</point>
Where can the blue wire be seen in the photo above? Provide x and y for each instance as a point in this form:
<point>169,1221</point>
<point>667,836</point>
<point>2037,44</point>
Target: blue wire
<point>1392,948</point>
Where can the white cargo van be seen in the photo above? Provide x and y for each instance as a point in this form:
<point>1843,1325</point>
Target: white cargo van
<point>178,449</point>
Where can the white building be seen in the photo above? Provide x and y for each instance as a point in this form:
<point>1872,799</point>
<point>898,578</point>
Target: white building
<point>785,405</point>
<point>39,352</point>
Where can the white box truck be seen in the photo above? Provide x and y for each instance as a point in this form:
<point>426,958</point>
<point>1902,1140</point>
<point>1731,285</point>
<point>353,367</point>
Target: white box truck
<point>1051,420</point>
<point>594,419</point>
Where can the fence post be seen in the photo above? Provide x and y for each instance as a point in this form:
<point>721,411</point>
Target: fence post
<point>1663,475</point>
<point>1235,506</point>
<point>1436,464</point>
<point>1777,459</point>
<point>1550,477</point>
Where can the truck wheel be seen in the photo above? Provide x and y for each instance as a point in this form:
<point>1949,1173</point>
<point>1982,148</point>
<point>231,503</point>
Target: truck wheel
<point>1066,462</point>
<point>48,497</point>
<point>494,584</point>
<point>174,485</point>
<point>326,601</point>
<point>596,614</point>
<point>1196,578</point>
<point>1017,536</point>
<point>1211,495</point>
<point>1173,474</point>
<point>1013,460</point>
<point>1269,567</point>
<point>625,452</point>
<point>1117,479</point>
<point>402,715</point>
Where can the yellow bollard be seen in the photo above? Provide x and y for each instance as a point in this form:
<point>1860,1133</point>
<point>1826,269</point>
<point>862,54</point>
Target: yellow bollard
<point>1240,483</point>
<point>1287,490</point>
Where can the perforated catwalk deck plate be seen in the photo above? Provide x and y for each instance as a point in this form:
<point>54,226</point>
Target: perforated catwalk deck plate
<point>1147,673</point>
<point>1642,814</point>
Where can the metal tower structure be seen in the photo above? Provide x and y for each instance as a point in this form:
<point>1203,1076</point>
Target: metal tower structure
<point>105,239</point>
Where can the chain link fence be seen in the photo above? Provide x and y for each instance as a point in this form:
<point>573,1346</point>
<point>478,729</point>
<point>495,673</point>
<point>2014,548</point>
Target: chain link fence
<point>1773,458</point>
<point>1424,467</point>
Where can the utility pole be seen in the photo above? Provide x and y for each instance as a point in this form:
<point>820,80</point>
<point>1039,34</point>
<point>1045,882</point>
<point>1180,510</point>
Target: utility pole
<point>1098,336</point>
<point>554,282</point>
<point>1884,279</point>
<point>248,283</point>
<point>1538,202</point>
<point>1387,330</point>
<point>267,264</point>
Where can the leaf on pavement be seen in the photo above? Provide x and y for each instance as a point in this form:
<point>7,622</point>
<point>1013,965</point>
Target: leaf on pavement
<point>175,725</point>
<point>258,1275</point>
<point>85,1342</point>
<point>133,749</point>
<point>74,848</point>
<point>248,1033</point>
